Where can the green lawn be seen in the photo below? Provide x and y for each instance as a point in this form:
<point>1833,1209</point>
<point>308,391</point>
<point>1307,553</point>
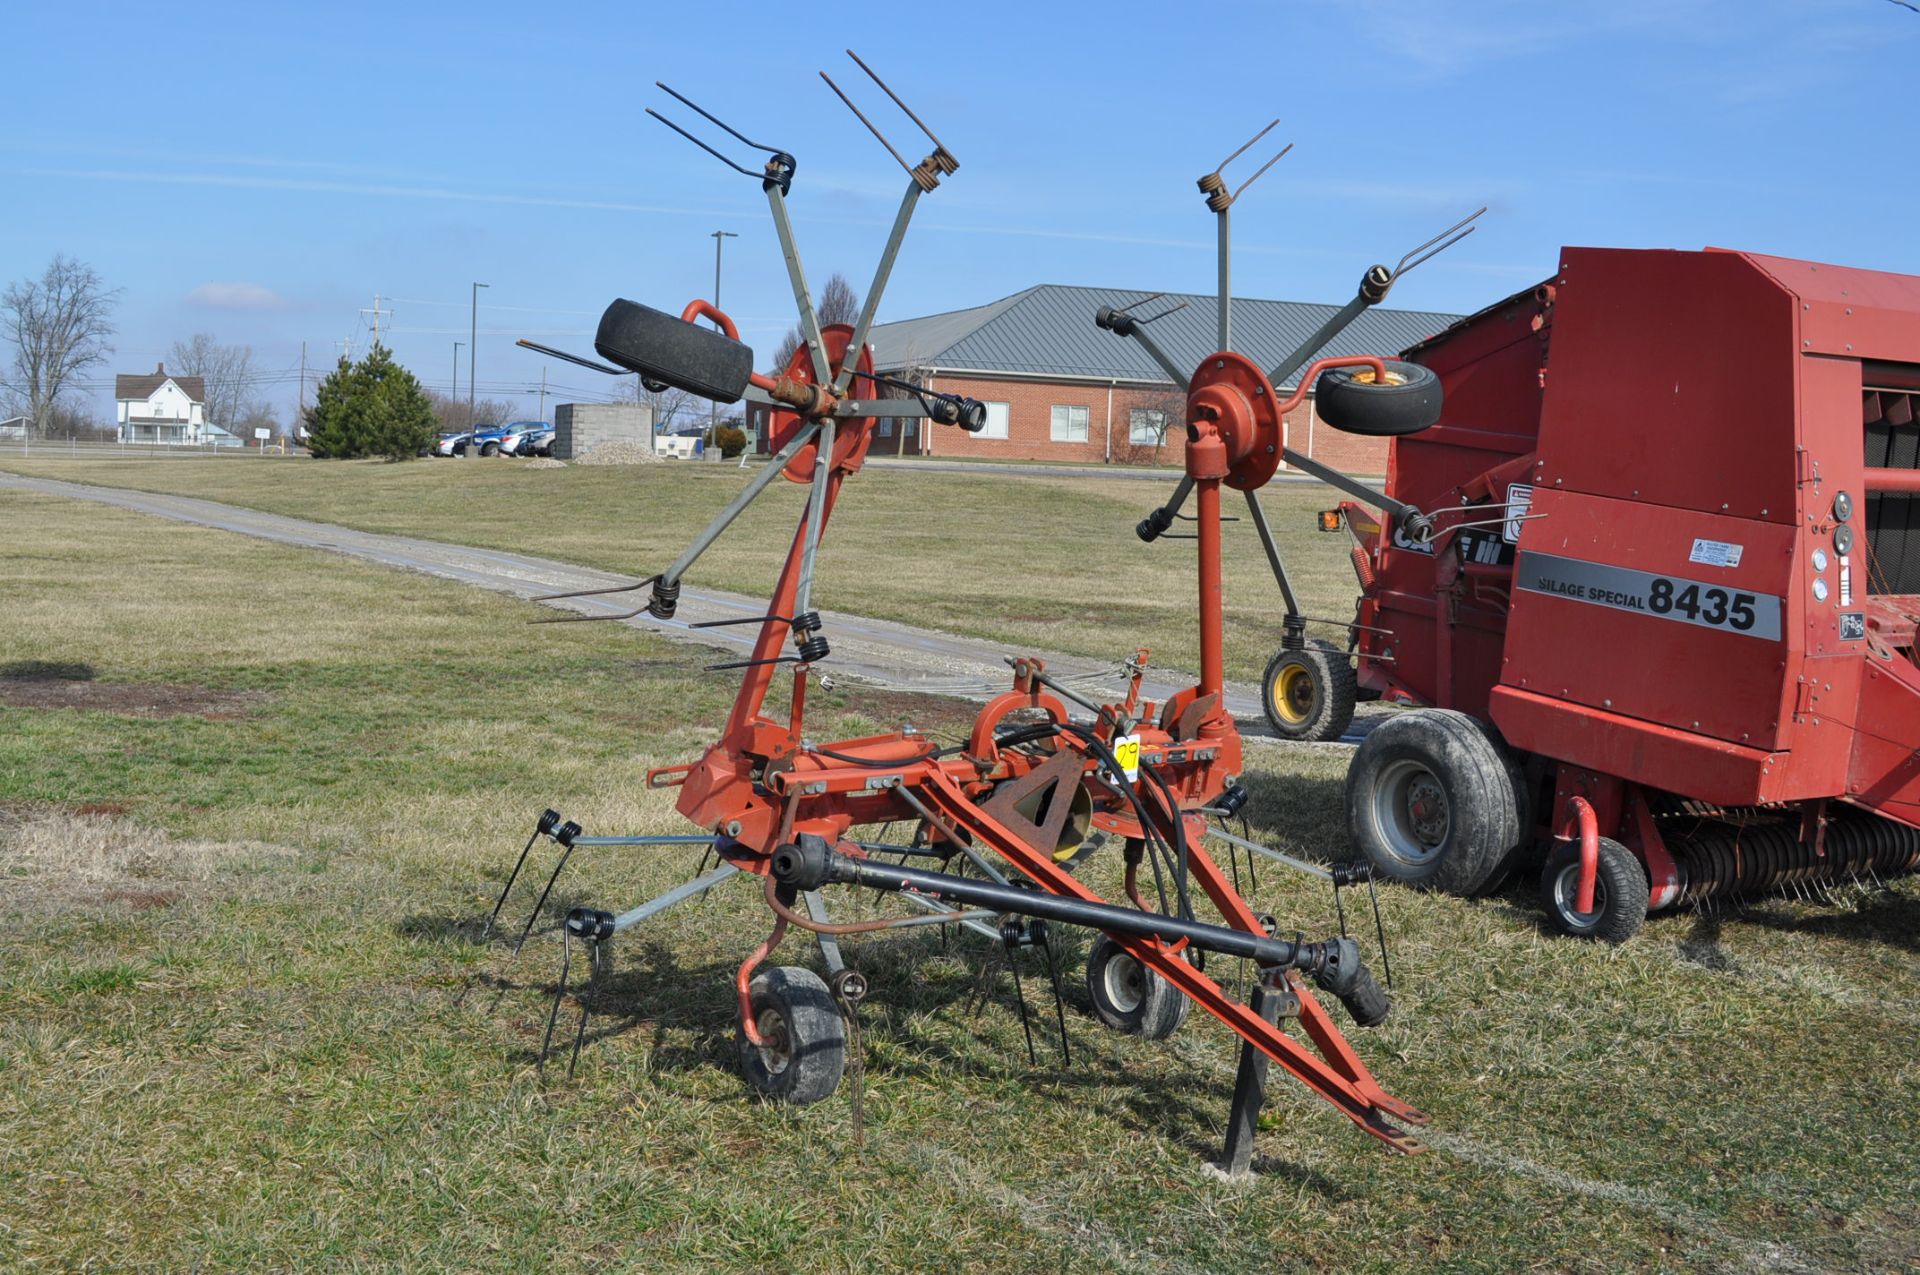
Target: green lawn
<point>233,1033</point>
<point>1047,563</point>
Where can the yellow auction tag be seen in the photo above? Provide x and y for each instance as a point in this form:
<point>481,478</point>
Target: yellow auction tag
<point>1126,751</point>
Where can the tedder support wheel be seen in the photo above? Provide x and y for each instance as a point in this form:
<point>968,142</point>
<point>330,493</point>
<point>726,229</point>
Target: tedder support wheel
<point>806,1039</point>
<point>1430,801</point>
<point>1309,693</point>
<point>1129,997</point>
<point>1619,893</point>
<point>1353,401</point>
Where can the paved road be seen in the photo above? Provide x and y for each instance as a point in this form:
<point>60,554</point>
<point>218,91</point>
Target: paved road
<point>897,656</point>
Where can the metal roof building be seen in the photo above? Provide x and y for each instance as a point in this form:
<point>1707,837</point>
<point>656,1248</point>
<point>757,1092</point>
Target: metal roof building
<point>1047,332</point>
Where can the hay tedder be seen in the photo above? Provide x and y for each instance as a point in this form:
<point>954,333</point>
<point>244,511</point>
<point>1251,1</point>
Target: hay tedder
<point>1045,775</point>
<point>1649,577</point>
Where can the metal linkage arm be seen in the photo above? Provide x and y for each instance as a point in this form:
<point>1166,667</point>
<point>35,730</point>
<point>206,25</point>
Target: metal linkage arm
<point>1373,289</point>
<point>1273,553</point>
<point>1408,518</point>
<point>1121,323</point>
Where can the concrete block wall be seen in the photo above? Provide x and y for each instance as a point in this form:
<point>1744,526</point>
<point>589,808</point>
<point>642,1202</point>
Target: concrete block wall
<point>578,427</point>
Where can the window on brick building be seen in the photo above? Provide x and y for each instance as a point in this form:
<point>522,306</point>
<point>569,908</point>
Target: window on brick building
<point>1144,425</point>
<point>997,416</point>
<point>1069,424</point>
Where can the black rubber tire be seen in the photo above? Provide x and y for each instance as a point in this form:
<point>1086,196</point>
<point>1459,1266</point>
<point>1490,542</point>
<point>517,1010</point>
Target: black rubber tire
<point>1523,812</point>
<point>489,449</point>
<point>1430,801</point>
<point>1347,399</point>
<point>1317,700</point>
<point>1619,893</point>
<point>1129,997</point>
<point>807,1038</point>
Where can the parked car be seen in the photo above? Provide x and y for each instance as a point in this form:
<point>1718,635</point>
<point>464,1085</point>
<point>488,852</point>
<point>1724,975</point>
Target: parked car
<point>487,438</point>
<point>452,443</point>
<point>528,438</point>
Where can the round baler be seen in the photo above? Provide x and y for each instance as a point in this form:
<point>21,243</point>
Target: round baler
<point>1664,626</point>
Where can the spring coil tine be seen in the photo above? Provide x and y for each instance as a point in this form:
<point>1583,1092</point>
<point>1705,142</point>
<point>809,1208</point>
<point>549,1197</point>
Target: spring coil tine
<point>904,108</point>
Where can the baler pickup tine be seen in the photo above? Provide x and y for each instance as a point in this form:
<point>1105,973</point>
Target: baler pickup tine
<point>871,128</point>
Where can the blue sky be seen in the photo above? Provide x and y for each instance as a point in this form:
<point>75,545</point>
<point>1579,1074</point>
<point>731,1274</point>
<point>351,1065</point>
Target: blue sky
<point>261,171</point>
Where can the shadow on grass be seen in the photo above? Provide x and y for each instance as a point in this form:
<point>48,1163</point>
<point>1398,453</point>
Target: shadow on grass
<point>47,671</point>
<point>684,1008</point>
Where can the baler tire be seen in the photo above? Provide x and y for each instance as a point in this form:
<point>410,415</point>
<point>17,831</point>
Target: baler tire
<point>1443,761</point>
<point>806,1052</point>
<point>1348,399</point>
<point>1523,812</point>
<point>1128,997</point>
<point>1619,893</point>
<point>1317,698</point>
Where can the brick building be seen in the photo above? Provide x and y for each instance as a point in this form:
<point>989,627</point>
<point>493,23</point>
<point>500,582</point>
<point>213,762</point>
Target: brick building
<point>1059,389</point>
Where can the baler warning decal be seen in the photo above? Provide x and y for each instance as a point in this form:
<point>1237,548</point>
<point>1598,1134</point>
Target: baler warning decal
<point>1711,606</point>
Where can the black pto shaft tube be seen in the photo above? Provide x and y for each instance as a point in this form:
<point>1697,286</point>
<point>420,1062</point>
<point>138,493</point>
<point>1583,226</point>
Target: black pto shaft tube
<point>1334,964</point>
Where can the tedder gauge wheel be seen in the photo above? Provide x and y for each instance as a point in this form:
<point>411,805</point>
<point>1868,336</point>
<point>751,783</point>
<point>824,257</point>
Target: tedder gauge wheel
<point>1129,997</point>
<point>1352,400</point>
<point>1430,801</point>
<point>1309,693</point>
<point>806,1039</point>
<point>1619,893</point>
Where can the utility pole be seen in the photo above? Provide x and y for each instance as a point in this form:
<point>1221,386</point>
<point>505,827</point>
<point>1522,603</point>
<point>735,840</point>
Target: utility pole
<point>375,312</point>
<point>720,238</point>
<point>473,346</point>
<point>303,385</point>
<point>453,396</point>
<point>543,393</point>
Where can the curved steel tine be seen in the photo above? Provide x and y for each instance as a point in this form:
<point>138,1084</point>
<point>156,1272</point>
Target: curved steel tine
<point>1263,168</point>
<point>857,114</point>
<point>1170,310</point>
<point>697,142</point>
<point>595,593</point>
<point>1407,262</point>
<point>712,118</point>
<point>548,350</point>
<point>1123,309</point>
<point>904,108</point>
<point>588,619</point>
<point>1246,146</point>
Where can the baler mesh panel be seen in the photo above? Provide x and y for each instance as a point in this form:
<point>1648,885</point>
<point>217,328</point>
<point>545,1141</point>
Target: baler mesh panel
<point>1893,519</point>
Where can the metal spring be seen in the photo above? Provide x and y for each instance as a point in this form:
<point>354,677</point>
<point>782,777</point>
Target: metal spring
<point>666,599</point>
<point>1362,566</point>
<point>1722,861</point>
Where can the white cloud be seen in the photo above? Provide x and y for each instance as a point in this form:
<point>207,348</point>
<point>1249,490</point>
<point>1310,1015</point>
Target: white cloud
<point>236,296</point>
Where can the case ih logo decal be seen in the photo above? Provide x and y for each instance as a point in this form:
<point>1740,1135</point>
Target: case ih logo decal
<point>1711,606</point>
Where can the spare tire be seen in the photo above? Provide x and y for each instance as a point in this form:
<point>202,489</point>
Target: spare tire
<point>1353,401</point>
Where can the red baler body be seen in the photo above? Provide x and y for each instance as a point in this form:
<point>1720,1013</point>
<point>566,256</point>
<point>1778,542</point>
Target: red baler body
<point>1674,611</point>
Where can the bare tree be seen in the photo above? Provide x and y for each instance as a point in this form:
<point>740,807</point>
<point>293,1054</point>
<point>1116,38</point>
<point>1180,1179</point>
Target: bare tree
<point>1149,416</point>
<point>450,411</point>
<point>837,303</point>
<point>227,370</point>
<point>669,405</point>
<point>259,415</point>
<point>59,325</point>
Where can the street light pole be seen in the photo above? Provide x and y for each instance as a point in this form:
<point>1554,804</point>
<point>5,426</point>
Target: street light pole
<point>720,238</point>
<point>473,346</point>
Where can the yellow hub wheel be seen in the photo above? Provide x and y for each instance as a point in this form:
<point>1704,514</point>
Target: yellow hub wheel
<point>1294,694</point>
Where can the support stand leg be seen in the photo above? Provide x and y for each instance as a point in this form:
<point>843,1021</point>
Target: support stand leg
<point>1250,1088</point>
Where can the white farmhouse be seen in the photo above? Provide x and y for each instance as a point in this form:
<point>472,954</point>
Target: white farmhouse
<point>157,407</point>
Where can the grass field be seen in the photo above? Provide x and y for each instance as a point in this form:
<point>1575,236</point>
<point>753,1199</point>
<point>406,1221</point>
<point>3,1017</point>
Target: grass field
<point>1047,562</point>
<point>245,832</point>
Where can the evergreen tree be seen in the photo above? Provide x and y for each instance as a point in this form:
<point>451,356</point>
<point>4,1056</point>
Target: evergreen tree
<point>371,408</point>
